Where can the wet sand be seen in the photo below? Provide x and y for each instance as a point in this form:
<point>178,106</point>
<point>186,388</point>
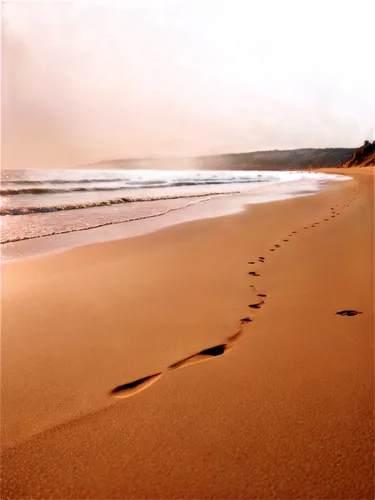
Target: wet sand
<point>258,388</point>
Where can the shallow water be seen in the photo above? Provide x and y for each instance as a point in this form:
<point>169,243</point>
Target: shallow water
<point>37,203</point>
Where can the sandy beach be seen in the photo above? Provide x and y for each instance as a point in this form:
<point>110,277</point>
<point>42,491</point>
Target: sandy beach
<point>203,361</point>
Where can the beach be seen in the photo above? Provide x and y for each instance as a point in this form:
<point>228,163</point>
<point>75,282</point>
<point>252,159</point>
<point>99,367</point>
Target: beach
<point>258,388</point>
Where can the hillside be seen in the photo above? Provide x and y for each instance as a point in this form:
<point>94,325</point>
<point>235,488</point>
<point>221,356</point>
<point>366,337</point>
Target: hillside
<point>259,160</point>
<point>362,157</point>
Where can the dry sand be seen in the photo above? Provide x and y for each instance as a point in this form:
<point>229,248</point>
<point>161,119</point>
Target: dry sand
<point>282,408</point>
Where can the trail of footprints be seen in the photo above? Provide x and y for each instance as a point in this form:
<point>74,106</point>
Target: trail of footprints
<point>135,386</point>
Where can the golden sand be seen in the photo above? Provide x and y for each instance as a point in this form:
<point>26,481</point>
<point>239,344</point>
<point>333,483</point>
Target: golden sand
<point>281,407</point>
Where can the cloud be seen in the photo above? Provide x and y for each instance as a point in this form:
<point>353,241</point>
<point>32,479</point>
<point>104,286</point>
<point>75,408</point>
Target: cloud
<point>86,81</point>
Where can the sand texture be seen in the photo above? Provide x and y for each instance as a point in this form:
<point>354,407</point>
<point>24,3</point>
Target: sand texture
<point>204,361</point>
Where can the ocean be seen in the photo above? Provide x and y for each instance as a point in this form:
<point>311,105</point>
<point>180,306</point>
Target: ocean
<point>40,203</point>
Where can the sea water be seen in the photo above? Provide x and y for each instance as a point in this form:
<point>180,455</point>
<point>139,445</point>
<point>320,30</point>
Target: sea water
<point>40,203</point>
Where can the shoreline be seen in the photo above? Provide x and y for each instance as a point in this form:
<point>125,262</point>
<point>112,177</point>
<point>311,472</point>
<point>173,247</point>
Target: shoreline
<point>207,207</point>
<point>295,391</point>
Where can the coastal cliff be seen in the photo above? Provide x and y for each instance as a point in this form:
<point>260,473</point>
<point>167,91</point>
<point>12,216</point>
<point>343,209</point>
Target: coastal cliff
<point>362,157</point>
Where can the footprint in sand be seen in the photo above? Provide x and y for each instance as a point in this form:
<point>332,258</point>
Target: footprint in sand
<point>131,388</point>
<point>257,305</point>
<point>253,273</point>
<point>204,355</point>
<point>348,312</point>
<point>262,295</point>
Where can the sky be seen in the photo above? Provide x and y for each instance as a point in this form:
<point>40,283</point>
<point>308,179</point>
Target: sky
<point>85,81</point>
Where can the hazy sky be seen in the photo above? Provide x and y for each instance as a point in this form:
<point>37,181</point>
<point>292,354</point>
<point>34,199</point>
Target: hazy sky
<point>84,81</point>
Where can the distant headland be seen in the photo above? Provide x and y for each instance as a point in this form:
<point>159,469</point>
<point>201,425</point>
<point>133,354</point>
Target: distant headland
<point>295,159</point>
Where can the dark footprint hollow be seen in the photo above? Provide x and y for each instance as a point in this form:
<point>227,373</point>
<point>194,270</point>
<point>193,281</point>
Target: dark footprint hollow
<point>262,295</point>
<point>348,312</point>
<point>211,352</point>
<point>251,262</point>
<point>217,350</point>
<point>246,320</point>
<point>124,390</point>
<point>257,306</point>
<point>286,241</point>
<point>253,273</point>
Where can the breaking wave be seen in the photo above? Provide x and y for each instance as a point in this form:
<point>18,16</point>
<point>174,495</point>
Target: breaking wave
<point>100,203</point>
<point>41,188</point>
